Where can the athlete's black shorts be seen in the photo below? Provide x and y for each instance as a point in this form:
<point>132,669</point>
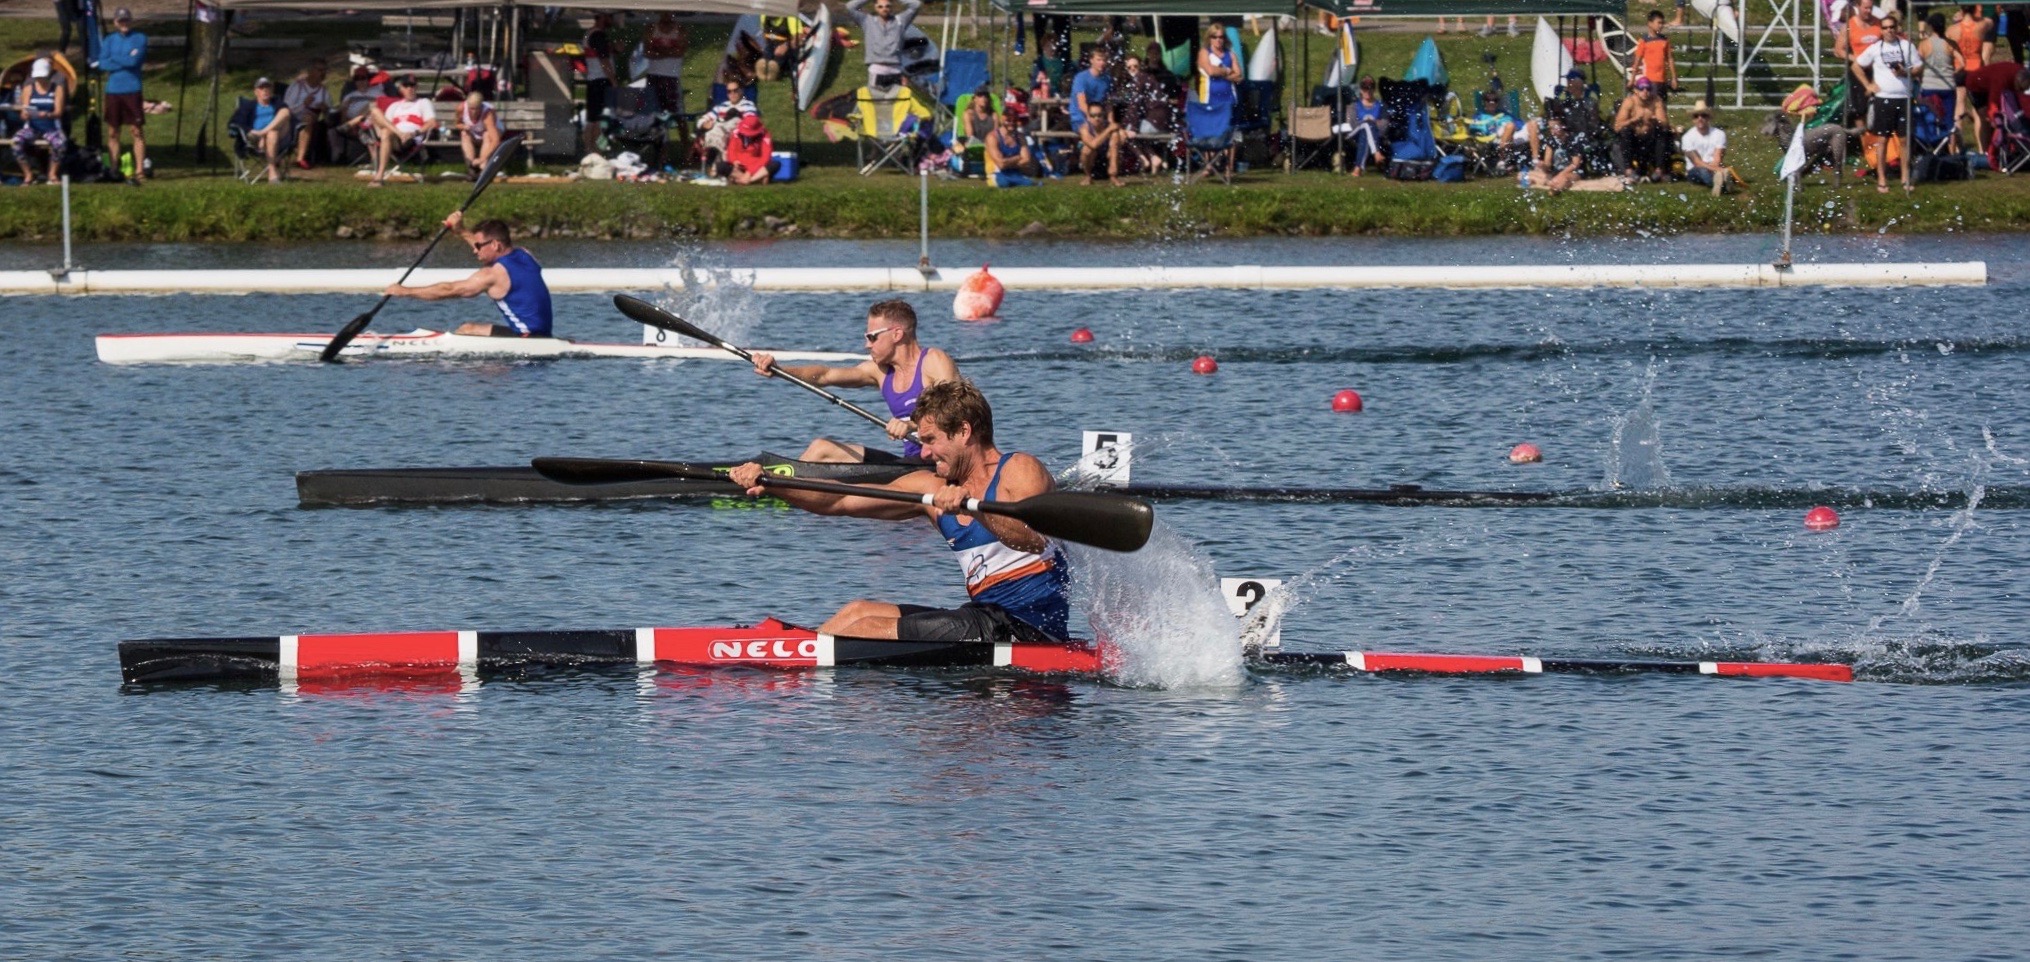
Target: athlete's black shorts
<point>971,621</point>
<point>878,456</point>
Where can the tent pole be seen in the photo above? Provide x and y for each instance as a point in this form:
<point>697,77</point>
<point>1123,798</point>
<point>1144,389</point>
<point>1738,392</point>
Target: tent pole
<point>183,86</point>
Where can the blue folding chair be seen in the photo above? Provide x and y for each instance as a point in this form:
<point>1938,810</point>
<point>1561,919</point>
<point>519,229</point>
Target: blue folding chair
<point>1211,135</point>
<point>965,71</point>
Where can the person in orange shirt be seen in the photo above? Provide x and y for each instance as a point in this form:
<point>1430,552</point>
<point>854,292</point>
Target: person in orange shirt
<point>1864,28</point>
<point>1974,35</point>
<point>1653,60</point>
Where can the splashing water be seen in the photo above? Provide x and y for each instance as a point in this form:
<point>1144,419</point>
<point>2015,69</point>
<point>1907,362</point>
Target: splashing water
<point>719,300</point>
<point>1160,610</point>
<point>1635,458</point>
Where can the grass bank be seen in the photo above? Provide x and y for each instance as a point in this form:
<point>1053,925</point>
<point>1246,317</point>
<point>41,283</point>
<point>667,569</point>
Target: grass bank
<point>832,203</point>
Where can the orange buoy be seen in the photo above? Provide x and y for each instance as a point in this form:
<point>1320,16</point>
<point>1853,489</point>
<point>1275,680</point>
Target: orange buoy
<point>1524,453</point>
<point>1204,364</point>
<point>979,296</point>
<point>1821,518</point>
<point>1346,402</point>
<point>1083,335</point>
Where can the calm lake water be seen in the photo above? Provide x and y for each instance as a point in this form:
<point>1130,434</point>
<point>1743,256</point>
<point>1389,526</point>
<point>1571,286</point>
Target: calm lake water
<point>1188,809</point>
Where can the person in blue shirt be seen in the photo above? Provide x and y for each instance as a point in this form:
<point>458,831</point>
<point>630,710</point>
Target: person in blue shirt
<point>266,125</point>
<point>1093,122</point>
<point>120,56</point>
<point>511,277</point>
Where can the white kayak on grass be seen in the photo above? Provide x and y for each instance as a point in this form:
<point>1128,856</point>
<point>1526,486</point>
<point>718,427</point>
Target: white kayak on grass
<point>422,342</point>
<point>1262,62</point>
<point>810,69</point>
<point>1549,61</point>
<point>1345,68</point>
<point>1721,12</point>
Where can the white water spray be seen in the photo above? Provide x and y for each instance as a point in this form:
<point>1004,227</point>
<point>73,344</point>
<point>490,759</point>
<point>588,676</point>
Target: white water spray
<point>1635,457</point>
<point>1160,611</point>
<point>717,299</point>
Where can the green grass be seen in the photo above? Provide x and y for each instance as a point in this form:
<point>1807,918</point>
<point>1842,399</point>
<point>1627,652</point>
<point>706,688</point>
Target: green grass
<point>190,201</point>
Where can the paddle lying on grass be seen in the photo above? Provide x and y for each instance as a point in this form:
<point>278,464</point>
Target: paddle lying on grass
<point>353,328</point>
<point>654,316</point>
<point>1110,521</point>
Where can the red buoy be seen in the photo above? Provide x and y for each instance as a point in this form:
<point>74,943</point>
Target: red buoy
<point>1524,453</point>
<point>1083,335</point>
<point>1346,402</point>
<point>1821,518</point>
<point>1204,365</point>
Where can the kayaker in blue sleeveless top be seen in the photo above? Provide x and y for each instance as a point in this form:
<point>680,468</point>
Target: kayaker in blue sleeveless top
<point>1017,579</point>
<point>511,277</point>
<point>896,363</point>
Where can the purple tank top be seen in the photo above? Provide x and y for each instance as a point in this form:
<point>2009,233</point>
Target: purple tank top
<point>902,404</point>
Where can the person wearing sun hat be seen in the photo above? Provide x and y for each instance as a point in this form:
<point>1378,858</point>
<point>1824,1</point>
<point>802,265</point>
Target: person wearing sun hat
<point>748,157</point>
<point>120,56</point>
<point>1705,150</point>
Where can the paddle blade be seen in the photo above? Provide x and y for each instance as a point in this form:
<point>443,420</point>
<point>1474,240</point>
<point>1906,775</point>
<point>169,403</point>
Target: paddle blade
<point>1108,521</point>
<point>607,471</point>
<point>345,334</point>
<point>501,153</point>
<point>646,313</point>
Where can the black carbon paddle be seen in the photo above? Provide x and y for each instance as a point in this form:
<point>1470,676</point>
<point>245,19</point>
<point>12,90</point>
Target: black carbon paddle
<point>1110,521</point>
<point>353,328</point>
<point>654,316</point>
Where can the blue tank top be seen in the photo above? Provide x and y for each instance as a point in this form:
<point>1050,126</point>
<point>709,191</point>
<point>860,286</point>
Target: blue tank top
<point>526,308</point>
<point>902,404</point>
<point>1031,586</point>
<point>44,101</point>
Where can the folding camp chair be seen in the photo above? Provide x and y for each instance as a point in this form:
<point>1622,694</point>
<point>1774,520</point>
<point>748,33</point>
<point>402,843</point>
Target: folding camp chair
<point>1935,153</point>
<point>2009,144</point>
<point>250,161</point>
<point>964,72</point>
<point>1211,140</point>
<point>1312,137</point>
<point>885,123</point>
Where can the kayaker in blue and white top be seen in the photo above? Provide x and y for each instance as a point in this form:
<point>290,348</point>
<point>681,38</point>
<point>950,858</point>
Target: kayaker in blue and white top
<point>1017,578</point>
<point>511,277</point>
<point>896,363</point>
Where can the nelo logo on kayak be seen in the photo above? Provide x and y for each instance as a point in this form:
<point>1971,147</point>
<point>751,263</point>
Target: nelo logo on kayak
<point>762,649</point>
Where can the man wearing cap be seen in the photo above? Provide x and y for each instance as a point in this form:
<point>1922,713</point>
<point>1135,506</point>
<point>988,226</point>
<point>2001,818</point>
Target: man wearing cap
<point>265,124</point>
<point>41,105</point>
<point>882,33</point>
<point>749,153</point>
<point>1642,134</point>
<point>120,56</point>
<point>509,275</point>
<point>1887,68</point>
<point>401,120</point>
<point>1705,148</point>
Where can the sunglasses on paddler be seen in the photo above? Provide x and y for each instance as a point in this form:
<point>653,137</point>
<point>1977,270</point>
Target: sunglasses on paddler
<point>875,335</point>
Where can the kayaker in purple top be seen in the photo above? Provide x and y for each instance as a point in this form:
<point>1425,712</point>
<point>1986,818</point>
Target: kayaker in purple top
<point>894,357</point>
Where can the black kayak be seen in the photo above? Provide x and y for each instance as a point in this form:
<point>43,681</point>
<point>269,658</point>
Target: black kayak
<point>522,485</point>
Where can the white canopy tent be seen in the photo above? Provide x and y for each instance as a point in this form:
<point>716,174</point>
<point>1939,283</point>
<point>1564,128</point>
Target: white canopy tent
<point>768,8</point>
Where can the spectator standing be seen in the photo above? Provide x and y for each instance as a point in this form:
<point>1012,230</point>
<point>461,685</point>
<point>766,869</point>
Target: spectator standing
<point>403,120</point>
<point>881,36</point>
<point>1974,36</point>
<point>667,43</point>
<point>1653,59</point>
<point>1944,71</point>
<point>41,104</point>
<point>1642,134</point>
<point>1864,28</point>
<point>266,123</point>
<point>309,107</point>
<point>1886,68</point>
<point>599,74</point>
<point>749,153</point>
<point>1705,149</point>
<point>1091,120</point>
<point>120,56</point>
<point>68,18</point>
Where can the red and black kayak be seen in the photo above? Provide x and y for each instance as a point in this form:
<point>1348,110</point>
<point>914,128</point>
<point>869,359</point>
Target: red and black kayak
<point>771,644</point>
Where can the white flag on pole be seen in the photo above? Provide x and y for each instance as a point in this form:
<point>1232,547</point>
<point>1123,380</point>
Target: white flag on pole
<point>1793,159</point>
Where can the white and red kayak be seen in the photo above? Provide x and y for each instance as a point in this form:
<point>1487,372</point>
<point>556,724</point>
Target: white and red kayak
<point>422,342</point>
<point>771,644</point>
